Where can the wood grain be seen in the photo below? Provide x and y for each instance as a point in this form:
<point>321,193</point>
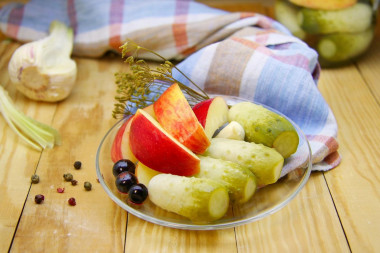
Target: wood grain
<point>95,223</point>
<point>337,211</point>
<point>308,224</point>
<point>354,184</point>
<point>18,162</point>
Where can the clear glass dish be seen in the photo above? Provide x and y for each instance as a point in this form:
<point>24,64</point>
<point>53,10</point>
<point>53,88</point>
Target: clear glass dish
<point>265,201</point>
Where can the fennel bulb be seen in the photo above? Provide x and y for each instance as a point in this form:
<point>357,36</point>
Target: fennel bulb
<point>43,70</point>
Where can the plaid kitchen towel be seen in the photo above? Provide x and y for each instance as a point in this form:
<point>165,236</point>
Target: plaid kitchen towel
<point>241,54</point>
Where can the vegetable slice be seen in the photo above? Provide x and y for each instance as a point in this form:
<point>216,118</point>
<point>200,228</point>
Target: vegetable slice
<point>36,134</point>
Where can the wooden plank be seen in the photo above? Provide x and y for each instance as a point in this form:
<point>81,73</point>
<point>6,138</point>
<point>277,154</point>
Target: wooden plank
<point>369,68</point>
<point>95,223</point>
<point>143,237</point>
<point>18,161</point>
<point>354,183</point>
<point>307,224</point>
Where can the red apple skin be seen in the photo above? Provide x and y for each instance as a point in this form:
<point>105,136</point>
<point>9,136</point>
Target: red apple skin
<point>176,116</point>
<point>158,150</point>
<point>116,154</point>
<point>212,114</point>
<point>120,146</point>
<point>201,110</point>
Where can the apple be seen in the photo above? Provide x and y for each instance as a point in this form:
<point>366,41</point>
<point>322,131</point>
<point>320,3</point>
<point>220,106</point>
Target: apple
<point>120,146</point>
<point>176,116</point>
<point>157,149</point>
<point>144,174</point>
<point>212,114</point>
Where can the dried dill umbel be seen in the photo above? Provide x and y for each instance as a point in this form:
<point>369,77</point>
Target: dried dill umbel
<point>143,84</point>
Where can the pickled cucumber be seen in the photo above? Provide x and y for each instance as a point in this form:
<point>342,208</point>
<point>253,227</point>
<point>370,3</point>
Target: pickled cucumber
<point>287,15</point>
<point>264,126</point>
<point>324,4</point>
<point>265,163</point>
<point>356,18</point>
<point>199,199</point>
<point>240,181</point>
<point>343,47</point>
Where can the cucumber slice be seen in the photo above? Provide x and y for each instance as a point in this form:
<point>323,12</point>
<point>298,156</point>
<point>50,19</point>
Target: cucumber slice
<point>265,163</point>
<point>286,14</point>
<point>356,18</point>
<point>199,199</point>
<point>336,48</point>
<point>264,126</point>
<point>240,181</point>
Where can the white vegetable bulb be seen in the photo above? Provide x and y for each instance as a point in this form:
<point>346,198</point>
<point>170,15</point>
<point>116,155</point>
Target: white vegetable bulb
<point>43,70</point>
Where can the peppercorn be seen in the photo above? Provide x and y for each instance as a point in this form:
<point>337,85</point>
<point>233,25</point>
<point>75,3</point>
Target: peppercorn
<point>35,179</point>
<point>60,190</point>
<point>72,202</point>
<point>74,182</point>
<point>39,198</point>
<point>68,177</point>
<point>87,186</point>
<point>77,165</point>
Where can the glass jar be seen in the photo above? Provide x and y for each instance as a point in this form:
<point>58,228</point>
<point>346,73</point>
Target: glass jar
<point>339,30</point>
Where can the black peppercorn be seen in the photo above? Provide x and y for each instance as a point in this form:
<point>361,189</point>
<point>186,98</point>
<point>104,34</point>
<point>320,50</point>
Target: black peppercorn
<point>77,165</point>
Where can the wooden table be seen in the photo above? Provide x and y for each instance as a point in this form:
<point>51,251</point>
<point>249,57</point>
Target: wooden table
<point>337,211</point>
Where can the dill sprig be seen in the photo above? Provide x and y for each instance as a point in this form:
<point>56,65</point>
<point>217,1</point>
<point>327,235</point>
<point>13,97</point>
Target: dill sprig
<point>143,85</point>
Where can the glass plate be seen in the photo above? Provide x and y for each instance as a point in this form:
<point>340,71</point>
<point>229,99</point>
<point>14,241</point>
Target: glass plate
<point>266,200</point>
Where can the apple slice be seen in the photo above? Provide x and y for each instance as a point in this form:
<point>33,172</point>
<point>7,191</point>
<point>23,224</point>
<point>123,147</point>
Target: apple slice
<point>212,114</point>
<point>144,174</point>
<point>115,149</point>
<point>120,146</point>
<point>157,149</point>
<point>175,115</point>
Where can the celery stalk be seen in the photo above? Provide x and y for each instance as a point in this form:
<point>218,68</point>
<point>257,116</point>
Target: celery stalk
<point>38,135</point>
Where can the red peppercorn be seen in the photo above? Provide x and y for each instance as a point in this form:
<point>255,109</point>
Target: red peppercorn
<point>60,190</point>
<point>72,202</point>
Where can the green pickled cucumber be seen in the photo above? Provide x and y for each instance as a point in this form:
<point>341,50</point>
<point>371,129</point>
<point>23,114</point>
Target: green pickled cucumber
<point>286,14</point>
<point>264,126</point>
<point>199,199</point>
<point>343,47</point>
<point>240,181</point>
<point>265,163</point>
<point>356,18</point>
